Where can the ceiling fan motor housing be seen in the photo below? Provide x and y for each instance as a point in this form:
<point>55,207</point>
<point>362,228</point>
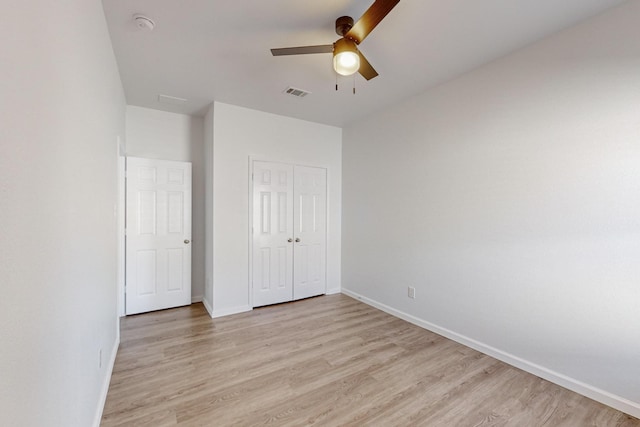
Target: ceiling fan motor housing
<point>343,25</point>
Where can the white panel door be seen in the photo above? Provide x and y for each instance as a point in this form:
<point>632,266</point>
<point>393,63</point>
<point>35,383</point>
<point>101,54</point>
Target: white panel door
<point>272,228</point>
<point>310,222</point>
<point>158,237</point>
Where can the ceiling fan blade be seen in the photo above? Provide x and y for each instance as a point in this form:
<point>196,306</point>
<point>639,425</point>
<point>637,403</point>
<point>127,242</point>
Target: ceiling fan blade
<point>372,17</point>
<point>302,50</point>
<point>366,70</point>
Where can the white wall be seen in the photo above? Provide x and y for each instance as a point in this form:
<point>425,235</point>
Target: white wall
<point>169,136</point>
<point>510,199</point>
<point>237,134</point>
<point>61,111</point>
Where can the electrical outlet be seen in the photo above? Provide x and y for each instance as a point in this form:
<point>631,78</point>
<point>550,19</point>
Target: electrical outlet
<point>411,292</point>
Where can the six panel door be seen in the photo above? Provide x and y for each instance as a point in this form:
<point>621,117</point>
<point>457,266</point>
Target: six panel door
<point>288,232</point>
<point>272,233</point>
<point>158,224</point>
<point>310,220</point>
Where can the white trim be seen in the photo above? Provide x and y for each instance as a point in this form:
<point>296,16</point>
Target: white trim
<point>102,399</point>
<point>333,291</point>
<point>120,214</point>
<point>602,396</point>
<point>229,311</point>
<point>284,161</point>
<point>207,307</point>
<point>196,298</point>
<point>250,233</point>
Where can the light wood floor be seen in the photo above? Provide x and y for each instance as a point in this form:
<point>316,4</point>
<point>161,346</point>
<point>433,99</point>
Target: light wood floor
<point>326,361</point>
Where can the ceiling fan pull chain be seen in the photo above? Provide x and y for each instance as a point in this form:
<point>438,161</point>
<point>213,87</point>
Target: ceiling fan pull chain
<point>336,82</point>
<point>354,84</point>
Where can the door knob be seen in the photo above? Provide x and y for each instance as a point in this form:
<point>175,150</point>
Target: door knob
<point>186,242</point>
<point>289,240</point>
<point>297,239</point>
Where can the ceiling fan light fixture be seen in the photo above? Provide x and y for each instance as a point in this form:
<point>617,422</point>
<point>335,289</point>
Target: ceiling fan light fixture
<point>346,60</point>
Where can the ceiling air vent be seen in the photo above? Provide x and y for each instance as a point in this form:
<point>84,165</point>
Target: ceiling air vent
<point>296,92</point>
<point>174,100</point>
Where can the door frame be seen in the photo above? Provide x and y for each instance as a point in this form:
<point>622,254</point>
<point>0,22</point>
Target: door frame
<point>121,226</point>
<point>292,162</point>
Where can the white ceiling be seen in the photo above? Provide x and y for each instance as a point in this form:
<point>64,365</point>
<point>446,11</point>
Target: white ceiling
<point>206,50</point>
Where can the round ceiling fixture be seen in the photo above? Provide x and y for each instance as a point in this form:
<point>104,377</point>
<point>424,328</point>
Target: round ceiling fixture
<point>346,60</point>
<point>144,22</point>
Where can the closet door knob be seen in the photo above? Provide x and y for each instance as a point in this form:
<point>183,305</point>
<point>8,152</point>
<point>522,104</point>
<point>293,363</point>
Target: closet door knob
<point>186,242</point>
<point>289,240</point>
<point>297,239</point>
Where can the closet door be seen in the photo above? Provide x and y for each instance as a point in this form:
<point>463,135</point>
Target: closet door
<point>272,251</point>
<point>310,221</point>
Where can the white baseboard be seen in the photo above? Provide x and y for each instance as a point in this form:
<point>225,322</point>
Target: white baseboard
<point>333,291</point>
<point>229,311</point>
<point>197,298</point>
<point>102,399</point>
<point>207,307</point>
<point>602,396</point>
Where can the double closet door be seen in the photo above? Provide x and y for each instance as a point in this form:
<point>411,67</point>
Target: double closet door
<point>289,228</point>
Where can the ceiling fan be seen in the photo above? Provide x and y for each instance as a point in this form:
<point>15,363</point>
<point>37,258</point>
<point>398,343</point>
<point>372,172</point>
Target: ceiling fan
<point>347,58</point>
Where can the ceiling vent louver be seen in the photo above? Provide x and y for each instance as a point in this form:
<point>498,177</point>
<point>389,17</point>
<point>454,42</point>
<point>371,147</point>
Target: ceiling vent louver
<point>296,92</point>
<point>174,100</point>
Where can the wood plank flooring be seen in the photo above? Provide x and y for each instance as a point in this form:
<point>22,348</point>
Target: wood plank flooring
<point>328,361</point>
